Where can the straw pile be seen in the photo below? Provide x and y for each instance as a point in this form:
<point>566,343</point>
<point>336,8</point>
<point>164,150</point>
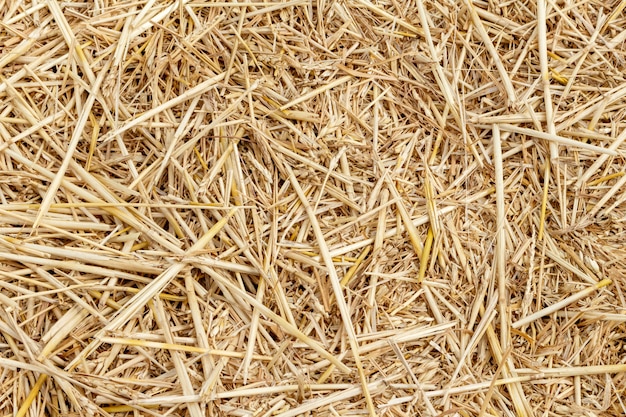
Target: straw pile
<point>322,208</point>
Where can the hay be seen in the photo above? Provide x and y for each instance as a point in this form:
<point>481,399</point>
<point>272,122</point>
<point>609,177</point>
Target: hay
<point>321,208</point>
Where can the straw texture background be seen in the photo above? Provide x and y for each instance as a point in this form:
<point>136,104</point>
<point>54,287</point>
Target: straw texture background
<point>312,208</point>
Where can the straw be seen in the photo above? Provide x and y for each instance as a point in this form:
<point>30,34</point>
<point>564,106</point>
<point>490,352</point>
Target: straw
<point>330,208</point>
<point>561,304</point>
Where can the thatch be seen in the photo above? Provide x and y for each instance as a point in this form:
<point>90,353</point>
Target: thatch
<point>341,207</point>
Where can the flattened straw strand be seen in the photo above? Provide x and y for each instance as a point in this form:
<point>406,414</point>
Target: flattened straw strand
<point>109,302</point>
<point>71,147</point>
<point>70,39</point>
<point>316,92</point>
<point>181,348</point>
<point>201,88</point>
<point>141,23</point>
<point>34,128</point>
<point>13,364</point>
<point>418,221</point>
<point>58,226</point>
<point>593,315</point>
<point>544,200</point>
<point>585,111</point>
<point>318,403</point>
<point>577,380</point>
<point>425,254</point>
<point>80,301</point>
<point>307,161</point>
<point>430,202</point>
<point>431,301</point>
<point>572,254</point>
<point>31,396</point>
<point>520,401</point>
<point>562,304</point>
<point>345,167</point>
<point>400,356</point>
<point>254,325</point>
<point>56,335</point>
<point>254,328</point>
<point>406,218</point>
<point>484,36</point>
<point>545,74</point>
<point>479,332</point>
<point>155,287</point>
<point>410,335</point>
<point>442,79</point>
<point>226,265</point>
<point>614,14</point>
<point>532,375</point>
<point>178,134</point>
<point>336,285</point>
<point>500,254</point>
<point>605,178</point>
<point>122,48</point>
<point>127,408</point>
<point>61,329</point>
<point>601,160</point>
<point>159,401</point>
<point>400,22</point>
<point>616,204</point>
<point>69,264</point>
<point>556,138</point>
<point>346,278</point>
<point>606,197</point>
<point>472,388</point>
<point>378,245</point>
<point>265,10</point>
<point>11,304</point>
<point>564,372</point>
<point>251,392</point>
<point>552,250</point>
<point>31,10</point>
<point>94,141</point>
<point>179,365</point>
<point>326,374</point>
<point>284,324</point>
<point>17,76</point>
